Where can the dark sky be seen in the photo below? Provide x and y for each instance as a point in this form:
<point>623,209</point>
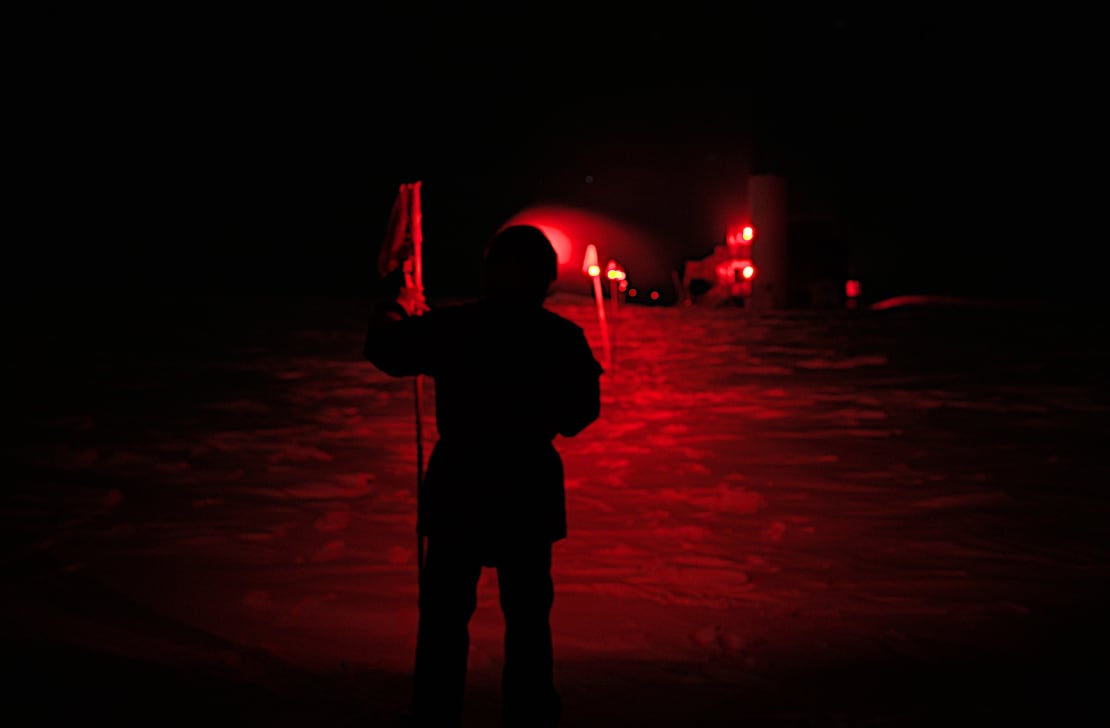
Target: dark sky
<point>264,152</point>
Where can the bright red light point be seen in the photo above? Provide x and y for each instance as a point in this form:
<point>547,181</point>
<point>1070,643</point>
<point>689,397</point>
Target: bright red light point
<point>623,285</point>
<point>655,295</point>
<point>851,289</point>
<point>613,275</point>
<point>594,270</point>
<point>748,232</point>
<point>748,271</point>
<point>632,293</point>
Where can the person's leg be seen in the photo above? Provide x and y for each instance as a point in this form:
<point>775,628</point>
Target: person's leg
<point>527,593</point>
<point>448,597</point>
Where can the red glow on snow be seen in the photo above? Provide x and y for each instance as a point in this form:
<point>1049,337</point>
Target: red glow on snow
<point>748,272</point>
<point>594,271</point>
<point>851,289</point>
<point>655,295</point>
<point>748,233</point>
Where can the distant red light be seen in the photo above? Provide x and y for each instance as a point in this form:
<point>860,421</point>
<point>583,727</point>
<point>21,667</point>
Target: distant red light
<point>614,271</point>
<point>632,293</point>
<point>655,295</point>
<point>747,233</point>
<point>852,289</point>
<point>748,272</point>
<point>594,271</point>
<point>623,285</point>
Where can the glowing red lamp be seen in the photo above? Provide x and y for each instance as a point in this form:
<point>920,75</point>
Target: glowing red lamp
<point>589,262</point>
<point>748,272</point>
<point>614,271</point>
<point>852,289</point>
<point>748,233</point>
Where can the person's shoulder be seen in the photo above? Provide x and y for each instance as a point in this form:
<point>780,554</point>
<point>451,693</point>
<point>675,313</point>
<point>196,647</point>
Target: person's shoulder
<point>560,324</point>
<point>453,311</point>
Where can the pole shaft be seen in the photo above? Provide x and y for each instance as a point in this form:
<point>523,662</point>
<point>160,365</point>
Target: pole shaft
<point>416,220</point>
<point>602,321</point>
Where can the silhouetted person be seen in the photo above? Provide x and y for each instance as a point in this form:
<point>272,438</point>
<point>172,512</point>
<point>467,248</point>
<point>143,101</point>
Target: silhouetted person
<point>509,376</point>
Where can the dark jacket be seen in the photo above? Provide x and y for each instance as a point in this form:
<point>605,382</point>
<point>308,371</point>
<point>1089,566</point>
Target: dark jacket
<point>508,379</point>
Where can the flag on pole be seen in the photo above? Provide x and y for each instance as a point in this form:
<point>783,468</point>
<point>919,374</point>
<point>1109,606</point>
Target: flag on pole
<point>398,250</point>
<point>416,225</point>
<point>404,248</point>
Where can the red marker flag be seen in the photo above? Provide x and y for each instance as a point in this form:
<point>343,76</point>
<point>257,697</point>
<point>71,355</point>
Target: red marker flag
<point>403,248</point>
<point>398,248</point>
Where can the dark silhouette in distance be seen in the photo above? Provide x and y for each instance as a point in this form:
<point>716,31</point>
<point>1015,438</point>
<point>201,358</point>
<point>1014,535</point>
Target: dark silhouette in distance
<point>509,377</point>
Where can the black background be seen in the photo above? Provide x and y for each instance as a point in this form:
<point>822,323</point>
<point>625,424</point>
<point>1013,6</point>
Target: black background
<point>262,151</point>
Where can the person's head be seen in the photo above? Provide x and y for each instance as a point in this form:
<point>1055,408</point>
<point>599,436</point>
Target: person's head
<point>519,265</point>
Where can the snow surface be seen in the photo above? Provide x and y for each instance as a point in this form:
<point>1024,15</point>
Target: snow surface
<point>888,517</point>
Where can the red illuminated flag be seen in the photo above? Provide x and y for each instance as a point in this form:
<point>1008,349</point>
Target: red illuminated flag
<point>404,238</point>
<point>403,248</point>
<point>397,248</point>
<point>404,241</point>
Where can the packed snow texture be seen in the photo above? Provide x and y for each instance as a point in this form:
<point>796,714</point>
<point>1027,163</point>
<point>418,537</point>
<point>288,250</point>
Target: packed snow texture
<point>781,518</point>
